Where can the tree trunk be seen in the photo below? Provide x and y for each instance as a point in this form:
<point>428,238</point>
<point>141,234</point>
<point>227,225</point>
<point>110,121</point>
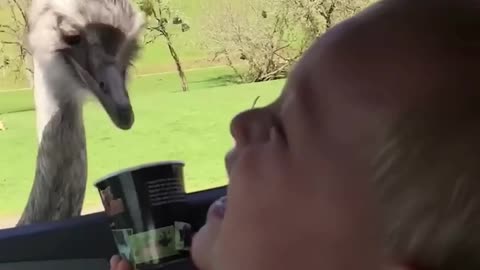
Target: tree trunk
<point>175,57</point>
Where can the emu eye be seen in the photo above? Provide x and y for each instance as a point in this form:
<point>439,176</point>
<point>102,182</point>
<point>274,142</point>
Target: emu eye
<point>72,39</point>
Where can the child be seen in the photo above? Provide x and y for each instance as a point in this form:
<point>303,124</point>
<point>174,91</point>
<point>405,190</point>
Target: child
<point>389,97</point>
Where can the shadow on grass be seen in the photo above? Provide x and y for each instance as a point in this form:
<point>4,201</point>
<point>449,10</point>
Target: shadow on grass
<point>212,82</point>
<point>19,110</point>
<point>16,101</point>
<point>28,109</point>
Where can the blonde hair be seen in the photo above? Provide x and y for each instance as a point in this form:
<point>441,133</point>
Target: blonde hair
<point>428,181</point>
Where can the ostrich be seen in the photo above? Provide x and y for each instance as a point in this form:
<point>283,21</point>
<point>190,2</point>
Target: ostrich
<point>79,48</point>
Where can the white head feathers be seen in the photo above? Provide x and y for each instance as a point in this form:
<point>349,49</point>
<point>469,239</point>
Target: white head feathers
<point>120,14</point>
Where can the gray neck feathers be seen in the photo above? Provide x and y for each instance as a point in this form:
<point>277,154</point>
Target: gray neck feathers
<point>61,170</point>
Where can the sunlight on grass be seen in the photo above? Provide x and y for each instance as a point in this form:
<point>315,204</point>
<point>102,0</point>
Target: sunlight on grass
<point>170,124</point>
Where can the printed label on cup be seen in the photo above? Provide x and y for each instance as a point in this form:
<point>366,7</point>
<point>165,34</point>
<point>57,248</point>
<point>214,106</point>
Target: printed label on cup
<point>148,214</point>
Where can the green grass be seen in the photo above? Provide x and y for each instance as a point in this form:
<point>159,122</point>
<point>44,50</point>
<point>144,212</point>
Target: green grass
<point>16,101</point>
<point>22,100</point>
<point>170,124</point>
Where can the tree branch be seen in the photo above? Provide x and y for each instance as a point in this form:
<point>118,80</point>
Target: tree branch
<point>8,27</point>
<point>13,37</point>
<point>22,11</point>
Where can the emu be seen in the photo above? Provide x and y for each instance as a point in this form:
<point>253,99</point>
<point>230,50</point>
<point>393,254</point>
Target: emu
<point>79,48</point>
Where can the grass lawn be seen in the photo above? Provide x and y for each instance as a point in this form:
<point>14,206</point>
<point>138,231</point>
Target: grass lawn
<point>170,124</point>
<point>192,126</point>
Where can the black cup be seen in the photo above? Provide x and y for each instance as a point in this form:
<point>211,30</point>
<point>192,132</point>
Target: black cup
<point>148,213</point>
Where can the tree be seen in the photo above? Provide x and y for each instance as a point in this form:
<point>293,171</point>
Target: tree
<point>270,35</point>
<point>319,16</point>
<point>161,18</point>
<point>15,54</point>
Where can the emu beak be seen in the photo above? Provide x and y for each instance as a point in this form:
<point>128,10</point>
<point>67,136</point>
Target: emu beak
<point>112,94</point>
<point>109,88</point>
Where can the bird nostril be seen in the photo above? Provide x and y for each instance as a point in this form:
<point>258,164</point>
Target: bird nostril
<point>102,86</point>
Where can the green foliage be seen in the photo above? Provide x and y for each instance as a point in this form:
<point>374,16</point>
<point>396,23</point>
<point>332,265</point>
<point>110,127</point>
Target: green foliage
<point>264,14</point>
<point>147,7</point>
<point>185,27</point>
<point>177,20</point>
<point>161,17</point>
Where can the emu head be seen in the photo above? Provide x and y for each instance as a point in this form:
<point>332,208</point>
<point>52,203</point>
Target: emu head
<point>86,47</point>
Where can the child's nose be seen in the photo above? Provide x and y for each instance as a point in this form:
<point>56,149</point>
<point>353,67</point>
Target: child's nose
<point>251,126</point>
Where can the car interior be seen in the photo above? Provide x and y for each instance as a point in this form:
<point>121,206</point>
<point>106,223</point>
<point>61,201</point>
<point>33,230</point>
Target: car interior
<point>84,242</point>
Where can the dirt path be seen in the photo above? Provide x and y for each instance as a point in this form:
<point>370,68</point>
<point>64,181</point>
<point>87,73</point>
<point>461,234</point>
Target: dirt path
<point>10,220</point>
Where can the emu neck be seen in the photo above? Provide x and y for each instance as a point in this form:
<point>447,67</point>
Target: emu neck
<point>61,170</point>
<point>46,105</point>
